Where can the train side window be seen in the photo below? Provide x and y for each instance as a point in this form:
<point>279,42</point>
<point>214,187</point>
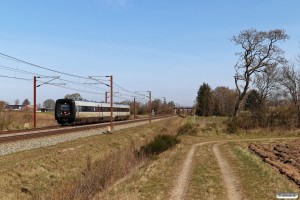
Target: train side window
<point>88,109</point>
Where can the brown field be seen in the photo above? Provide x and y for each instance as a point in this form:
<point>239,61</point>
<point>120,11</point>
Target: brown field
<point>284,156</point>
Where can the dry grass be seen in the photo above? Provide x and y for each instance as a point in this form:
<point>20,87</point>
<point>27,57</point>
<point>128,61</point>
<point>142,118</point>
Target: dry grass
<point>42,172</point>
<point>14,120</point>
<point>72,168</point>
<point>100,175</point>
<point>156,179</point>
<point>206,182</point>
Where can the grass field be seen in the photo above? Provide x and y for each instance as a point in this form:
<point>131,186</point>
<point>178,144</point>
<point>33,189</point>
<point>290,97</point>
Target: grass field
<point>15,120</point>
<point>257,179</point>
<point>41,173</point>
<point>37,173</point>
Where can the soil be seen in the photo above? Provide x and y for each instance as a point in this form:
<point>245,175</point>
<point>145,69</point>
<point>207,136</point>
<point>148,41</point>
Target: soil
<point>284,156</point>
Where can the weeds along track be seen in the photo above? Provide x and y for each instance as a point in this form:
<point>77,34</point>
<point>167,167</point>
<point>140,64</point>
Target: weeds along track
<point>13,136</point>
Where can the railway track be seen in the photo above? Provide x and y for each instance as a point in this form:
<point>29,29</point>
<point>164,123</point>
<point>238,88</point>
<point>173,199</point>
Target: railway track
<point>12,136</point>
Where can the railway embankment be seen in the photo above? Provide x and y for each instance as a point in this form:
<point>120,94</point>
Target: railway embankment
<point>39,168</point>
<point>22,145</point>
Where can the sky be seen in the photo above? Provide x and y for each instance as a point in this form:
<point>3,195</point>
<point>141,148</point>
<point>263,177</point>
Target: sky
<point>168,47</point>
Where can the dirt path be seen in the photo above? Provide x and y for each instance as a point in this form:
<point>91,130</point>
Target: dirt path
<point>179,191</point>
<point>234,193</point>
<point>229,178</point>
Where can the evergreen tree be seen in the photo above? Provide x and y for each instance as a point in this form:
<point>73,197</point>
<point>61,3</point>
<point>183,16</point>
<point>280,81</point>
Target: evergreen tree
<point>204,100</point>
<point>253,102</point>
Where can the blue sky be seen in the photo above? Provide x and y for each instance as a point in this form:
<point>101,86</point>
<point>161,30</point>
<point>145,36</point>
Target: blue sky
<point>167,46</point>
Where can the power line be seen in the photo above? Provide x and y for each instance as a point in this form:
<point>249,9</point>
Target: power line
<point>100,81</point>
<point>41,75</point>
<point>28,63</point>
<point>16,78</point>
<point>18,70</point>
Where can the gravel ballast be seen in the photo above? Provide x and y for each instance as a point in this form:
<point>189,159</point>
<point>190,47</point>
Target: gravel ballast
<point>9,148</point>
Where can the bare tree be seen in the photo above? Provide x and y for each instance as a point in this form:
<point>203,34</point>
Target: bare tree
<point>17,102</point>
<point>267,83</point>
<point>49,103</point>
<point>224,99</point>
<point>26,102</point>
<point>75,96</point>
<point>290,80</point>
<point>259,55</point>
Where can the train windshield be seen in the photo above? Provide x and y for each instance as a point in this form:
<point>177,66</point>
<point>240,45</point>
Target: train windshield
<point>65,109</point>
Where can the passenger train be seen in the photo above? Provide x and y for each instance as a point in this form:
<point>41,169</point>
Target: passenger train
<point>69,112</point>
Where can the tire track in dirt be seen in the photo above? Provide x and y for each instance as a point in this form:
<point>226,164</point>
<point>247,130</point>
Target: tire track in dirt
<point>181,185</point>
<point>229,178</point>
<point>179,191</point>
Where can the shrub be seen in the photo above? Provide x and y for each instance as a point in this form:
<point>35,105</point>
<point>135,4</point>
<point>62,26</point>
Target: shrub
<point>160,144</point>
<point>210,127</point>
<point>188,129</point>
<point>231,127</point>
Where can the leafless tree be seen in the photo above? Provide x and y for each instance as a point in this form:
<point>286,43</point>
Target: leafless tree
<point>224,99</point>
<point>49,103</point>
<point>290,80</point>
<point>17,102</point>
<point>258,56</point>
<point>75,96</point>
<point>267,83</point>
<point>26,102</point>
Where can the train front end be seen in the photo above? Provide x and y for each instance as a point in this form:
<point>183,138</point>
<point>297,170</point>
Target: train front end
<point>65,111</point>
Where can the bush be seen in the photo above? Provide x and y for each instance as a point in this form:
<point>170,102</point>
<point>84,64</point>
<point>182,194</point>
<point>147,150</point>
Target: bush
<point>160,144</point>
<point>210,127</point>
<point>231,127</point>
<point>187,129</point>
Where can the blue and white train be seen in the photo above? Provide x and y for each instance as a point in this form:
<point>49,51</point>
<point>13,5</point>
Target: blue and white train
<point>69,111</point>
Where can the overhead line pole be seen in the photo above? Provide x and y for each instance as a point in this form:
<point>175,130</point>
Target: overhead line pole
<point>105,97</point>
<point>34,101</point>
<point>111,104</point>
<point>134,104</point>
<point>34,94</point>
<point>150,107</point>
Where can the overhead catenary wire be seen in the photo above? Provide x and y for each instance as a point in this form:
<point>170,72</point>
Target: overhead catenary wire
<point>11,77</point>
<point>42,76</point>
<point>125,93</point>
<point>44,68</point>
